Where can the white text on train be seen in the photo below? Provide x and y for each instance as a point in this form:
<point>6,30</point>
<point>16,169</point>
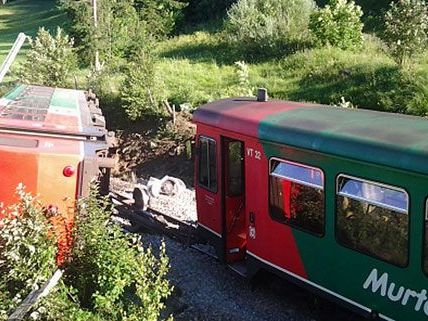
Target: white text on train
<point>383,286</point>
<point>253,153</point>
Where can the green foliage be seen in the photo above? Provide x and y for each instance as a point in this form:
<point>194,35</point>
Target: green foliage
<point>418,104</point>
<point>110,277</point>
<point>118,28</point>
<point>406,28</point>
<point>199,11</point>
<point>114,276</point>
<point>27,251</point>
<point>242,75</point>
<point>142,91</point>
<point>267,27</point>
<point>338,24</point>
<point>50,60</point>
<point>160,16</point>
<point>123,26</point>
<point>368,79</point>
<point>26,16</point>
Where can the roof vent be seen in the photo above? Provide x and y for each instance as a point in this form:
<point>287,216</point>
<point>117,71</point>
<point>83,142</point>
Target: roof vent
<point>262,95</point>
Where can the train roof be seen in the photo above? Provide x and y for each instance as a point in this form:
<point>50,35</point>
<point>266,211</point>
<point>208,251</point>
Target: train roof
<point>394,140</point>
<point>50,110</point>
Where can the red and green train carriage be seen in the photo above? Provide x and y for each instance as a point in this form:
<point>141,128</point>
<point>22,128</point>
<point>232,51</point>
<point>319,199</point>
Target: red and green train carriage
<point>54,142</point>
<point>334,199</point>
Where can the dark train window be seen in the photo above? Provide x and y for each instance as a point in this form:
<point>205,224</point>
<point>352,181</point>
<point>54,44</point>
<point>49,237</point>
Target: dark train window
<point>235,168</point>
<point>426,239</point>
<point>373,218</point>
<point>296,195</point>
<point>207,163</point>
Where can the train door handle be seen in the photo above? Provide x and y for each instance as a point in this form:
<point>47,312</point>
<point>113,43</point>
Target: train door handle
<point>252,218</point>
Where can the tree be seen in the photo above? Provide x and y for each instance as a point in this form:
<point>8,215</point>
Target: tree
<point>117,27</point>
<point>121,25</point>
<point>50,60</point>
<point>142,91</point>
<point>160,16</point>
<point>406,29</point>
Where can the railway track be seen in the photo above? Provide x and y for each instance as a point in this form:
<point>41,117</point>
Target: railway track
<point>157,222</point>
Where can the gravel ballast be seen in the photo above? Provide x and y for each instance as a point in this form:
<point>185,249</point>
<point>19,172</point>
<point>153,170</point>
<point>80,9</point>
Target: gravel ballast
<point>208,290</point>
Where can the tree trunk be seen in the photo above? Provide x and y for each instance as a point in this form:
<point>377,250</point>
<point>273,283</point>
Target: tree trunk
<point>97,55</point>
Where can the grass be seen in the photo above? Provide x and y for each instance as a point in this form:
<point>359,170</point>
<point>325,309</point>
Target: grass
<point>26,16</point>
<point>198,68</point>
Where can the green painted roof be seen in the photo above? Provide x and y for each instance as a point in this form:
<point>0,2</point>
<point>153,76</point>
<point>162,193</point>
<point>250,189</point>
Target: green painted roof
<point>390,139</point>
<point>394,140</point>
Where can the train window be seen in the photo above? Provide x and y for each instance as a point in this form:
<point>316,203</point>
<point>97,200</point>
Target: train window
<point>235,168</point>
<point>296,195</point>
<point>373,218</point>
<point>207,163</point>
<point>426,239</point>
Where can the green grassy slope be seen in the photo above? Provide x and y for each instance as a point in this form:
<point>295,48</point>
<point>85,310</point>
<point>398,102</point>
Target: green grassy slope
<point>26,16</point>
<point>198,67</point>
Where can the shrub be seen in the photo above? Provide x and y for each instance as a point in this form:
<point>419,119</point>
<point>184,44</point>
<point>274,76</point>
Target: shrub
<point>27,251</point>
<point>338,24</point>
<point>242,76</point>
<point>406,28</point>
<point>268,26</point>
<point>50,60</point>
<point>110,276</point>
<point>142,91</point>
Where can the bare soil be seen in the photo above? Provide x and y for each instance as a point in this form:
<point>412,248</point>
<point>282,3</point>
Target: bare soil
<point>156,149</point>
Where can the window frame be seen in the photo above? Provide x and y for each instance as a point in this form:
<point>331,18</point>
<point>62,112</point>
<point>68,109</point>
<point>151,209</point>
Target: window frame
<point>319,235</point>
<point>212,140</point>
<point>357,198</point>
<point>402,189</point>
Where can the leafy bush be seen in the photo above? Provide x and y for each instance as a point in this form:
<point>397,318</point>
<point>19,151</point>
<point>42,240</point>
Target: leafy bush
<point>113,275</point>
<point>268,26</point>
<point>27,251</point>
<point>242,75</point>
<point>50,60</point>
<point>110,277</point>
<point>418,104</point>
<point>142,91</point>
<point>338,24</point>
<point>406,28</point>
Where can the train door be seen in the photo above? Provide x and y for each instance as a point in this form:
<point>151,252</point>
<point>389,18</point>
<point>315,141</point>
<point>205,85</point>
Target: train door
<point>234,231</point>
